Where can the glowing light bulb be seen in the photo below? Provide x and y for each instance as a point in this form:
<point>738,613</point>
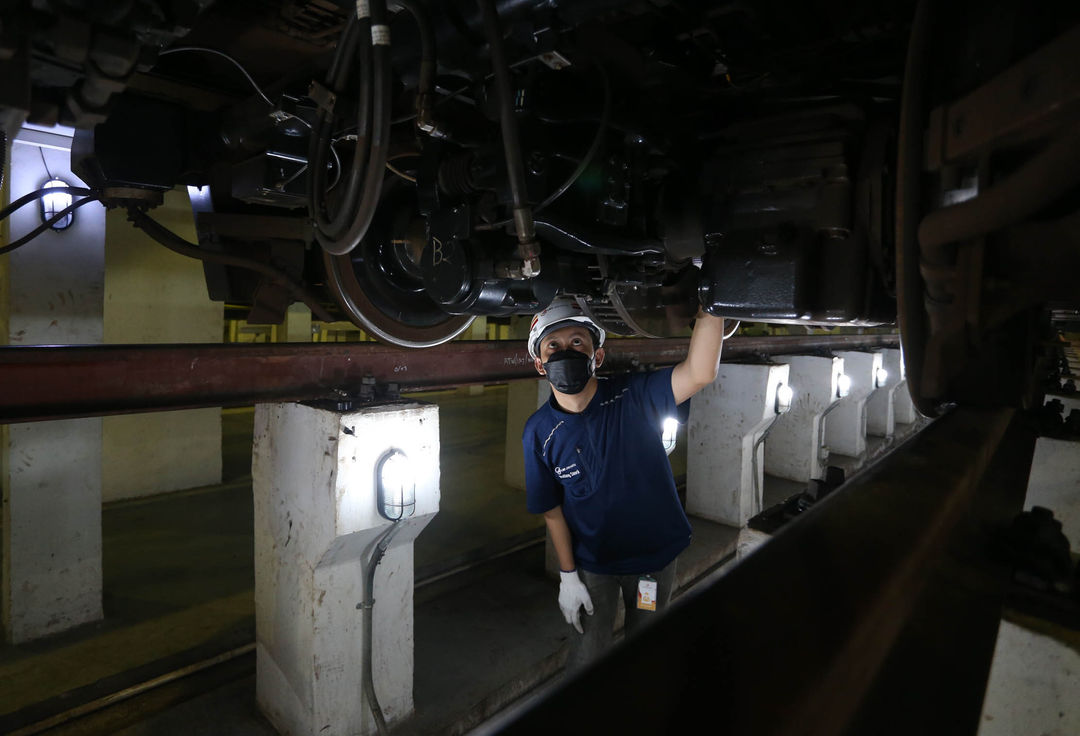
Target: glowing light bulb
<point>784,394</point>
<point>843,385</point>
<point>670,428</point>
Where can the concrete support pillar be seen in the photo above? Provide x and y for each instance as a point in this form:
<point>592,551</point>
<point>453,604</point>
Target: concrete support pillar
<point>881,406</point>
<point>297,324</point>
<point>796,446</point>
<point>153,295</point>
<point>904,411</point>
<point>477,331</point>
<point>724,466</point>
<point>1053,484</point>
<point>522,399</point>
<point>845,427</point>
<point>51,470</point>
<point>316,478</point>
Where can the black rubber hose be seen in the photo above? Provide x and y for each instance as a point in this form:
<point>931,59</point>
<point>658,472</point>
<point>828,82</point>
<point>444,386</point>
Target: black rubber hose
<point>594,147</point>
<point>48,223</point>
<point>335,226</point>
<point>571,236</point>
<point>382,89</point>
<point>425,87</point>
<point>343,53</point>
<point>321,139</point>
<point>176,244</point>
<point>39,193</point>
<point>322,130</point>
<point>515,165</point>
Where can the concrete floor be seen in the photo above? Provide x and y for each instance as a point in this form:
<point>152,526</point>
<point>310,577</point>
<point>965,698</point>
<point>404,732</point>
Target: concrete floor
<point>178,578</point>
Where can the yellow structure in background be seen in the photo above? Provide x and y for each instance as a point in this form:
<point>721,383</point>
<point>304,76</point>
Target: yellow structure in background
<point>239,331</point>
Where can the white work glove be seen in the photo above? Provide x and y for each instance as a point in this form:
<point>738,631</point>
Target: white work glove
<point>572,596</point>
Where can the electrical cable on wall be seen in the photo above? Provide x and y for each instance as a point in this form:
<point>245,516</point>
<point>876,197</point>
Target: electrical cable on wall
<point>381,544</point>
<point>177,244</point>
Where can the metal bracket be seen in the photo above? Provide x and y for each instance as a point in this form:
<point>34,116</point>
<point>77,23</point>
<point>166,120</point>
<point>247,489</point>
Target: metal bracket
<point>323,97</point>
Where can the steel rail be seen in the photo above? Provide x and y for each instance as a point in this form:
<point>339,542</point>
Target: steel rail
<point>58,382</point>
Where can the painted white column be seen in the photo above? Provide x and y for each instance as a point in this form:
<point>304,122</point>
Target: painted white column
<point>723,478</point>
<point>796,446</point>
<point>315,476</point>
<point>51,470</point>
<point>881,406</point>
<point>845,427</point>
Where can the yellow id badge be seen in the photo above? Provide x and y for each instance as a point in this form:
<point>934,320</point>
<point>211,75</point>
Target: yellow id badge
<point>646,593</point>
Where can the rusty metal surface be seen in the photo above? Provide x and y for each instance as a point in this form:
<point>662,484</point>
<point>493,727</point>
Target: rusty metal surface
<point>795,638</point>
<point>1017,104</point>
<point>55,382</point>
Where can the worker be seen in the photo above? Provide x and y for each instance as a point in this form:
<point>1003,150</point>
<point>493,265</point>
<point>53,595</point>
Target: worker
<point>595,467</point>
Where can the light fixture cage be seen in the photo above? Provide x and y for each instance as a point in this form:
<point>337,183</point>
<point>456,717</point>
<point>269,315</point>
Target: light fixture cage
<point>396,486</point>
<point>53,203</point>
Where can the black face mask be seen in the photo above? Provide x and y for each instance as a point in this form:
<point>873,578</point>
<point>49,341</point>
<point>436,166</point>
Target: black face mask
<point>569,371</point>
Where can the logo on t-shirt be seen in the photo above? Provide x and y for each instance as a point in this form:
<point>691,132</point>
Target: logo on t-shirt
<point>568,472</point>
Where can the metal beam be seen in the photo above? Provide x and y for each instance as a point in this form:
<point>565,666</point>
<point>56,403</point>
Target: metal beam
<point>56,382</point>
<point>801,637</point>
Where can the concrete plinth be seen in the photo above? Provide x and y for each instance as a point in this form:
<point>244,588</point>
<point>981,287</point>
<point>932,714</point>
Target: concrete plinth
<point>1032,687</point>
<point>881,406</point>
<point>316,521</point>
<point>796,446</point>
<point>845,427</point>
<point>1053,484</point>
<point>50,472</point>
<point>904,411</point>
<point>723,481</point>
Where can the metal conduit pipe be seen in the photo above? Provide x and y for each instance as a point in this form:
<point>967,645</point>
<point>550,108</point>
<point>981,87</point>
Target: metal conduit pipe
<point>381,544</point>
<point>426,84</point>
<point>759,487</point>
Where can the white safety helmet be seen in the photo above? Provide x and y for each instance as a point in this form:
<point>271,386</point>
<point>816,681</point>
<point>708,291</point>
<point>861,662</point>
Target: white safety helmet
<point>562,312</point>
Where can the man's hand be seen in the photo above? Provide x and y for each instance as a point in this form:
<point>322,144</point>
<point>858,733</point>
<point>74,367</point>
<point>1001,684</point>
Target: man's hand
<point>572,596</point>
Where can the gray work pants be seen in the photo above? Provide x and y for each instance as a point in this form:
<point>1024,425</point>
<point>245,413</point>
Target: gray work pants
<point>605,591</point>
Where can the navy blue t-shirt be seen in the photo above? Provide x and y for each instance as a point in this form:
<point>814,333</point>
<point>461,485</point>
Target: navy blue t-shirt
<point>607,468</point>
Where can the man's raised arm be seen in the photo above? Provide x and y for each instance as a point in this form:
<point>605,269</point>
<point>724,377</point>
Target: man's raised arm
<point>699,368</point>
